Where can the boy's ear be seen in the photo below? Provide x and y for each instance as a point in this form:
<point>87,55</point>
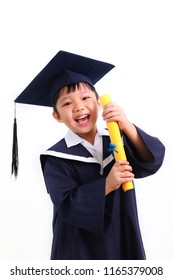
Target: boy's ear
<point>99,104</point>
<point>57,117</point>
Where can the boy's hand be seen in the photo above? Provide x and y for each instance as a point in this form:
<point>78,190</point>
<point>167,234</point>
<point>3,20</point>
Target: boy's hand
<point>120,173</point>
<point>112,112</point>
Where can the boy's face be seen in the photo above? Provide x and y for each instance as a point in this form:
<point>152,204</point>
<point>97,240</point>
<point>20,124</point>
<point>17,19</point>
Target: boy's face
<point>78,110</point>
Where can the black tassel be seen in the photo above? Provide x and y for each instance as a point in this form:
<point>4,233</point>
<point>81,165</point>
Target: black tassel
<point>15,159</point>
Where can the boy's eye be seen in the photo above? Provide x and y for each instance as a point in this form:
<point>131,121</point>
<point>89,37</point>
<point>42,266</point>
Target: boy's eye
<point>67,103</point>
<point>85,97</point>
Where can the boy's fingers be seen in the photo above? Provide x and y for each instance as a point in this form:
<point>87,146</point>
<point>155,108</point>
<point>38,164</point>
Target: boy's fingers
<point>122,162</point>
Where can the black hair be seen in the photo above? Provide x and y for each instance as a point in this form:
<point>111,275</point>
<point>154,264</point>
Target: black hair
<point>72,88</point>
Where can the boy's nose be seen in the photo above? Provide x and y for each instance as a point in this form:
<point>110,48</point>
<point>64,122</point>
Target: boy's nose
<point>78,107</point>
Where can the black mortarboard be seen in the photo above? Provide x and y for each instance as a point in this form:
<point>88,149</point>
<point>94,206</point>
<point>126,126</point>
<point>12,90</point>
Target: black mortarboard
<point>64,69</point>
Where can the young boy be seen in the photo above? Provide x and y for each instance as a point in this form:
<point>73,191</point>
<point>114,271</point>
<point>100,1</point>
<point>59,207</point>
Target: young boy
<point>93,217</point>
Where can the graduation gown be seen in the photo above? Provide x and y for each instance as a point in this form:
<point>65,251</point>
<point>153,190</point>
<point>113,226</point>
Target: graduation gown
<point>88,225</point>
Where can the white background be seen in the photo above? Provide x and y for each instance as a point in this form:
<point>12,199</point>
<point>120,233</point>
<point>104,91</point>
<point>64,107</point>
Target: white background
<point>136,36</point>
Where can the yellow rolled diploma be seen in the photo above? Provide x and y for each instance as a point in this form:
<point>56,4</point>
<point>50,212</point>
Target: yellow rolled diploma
<point>116,139</point>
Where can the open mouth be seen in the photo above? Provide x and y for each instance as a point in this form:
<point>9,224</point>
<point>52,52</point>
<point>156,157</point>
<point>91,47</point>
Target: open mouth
<point>82,119</point>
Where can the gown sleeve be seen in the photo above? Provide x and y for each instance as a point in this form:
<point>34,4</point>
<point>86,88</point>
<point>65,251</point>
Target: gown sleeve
<point>157,149</point>
<point>81,205</point>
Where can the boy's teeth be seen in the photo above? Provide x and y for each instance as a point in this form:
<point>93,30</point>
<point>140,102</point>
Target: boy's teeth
<point>82,118</point>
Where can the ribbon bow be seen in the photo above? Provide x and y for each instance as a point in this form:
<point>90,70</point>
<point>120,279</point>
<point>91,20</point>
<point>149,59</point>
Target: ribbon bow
<point>112,148</point>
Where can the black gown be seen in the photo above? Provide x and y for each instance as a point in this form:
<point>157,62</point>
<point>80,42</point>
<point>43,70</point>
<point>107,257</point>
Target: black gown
<point>87,225</point>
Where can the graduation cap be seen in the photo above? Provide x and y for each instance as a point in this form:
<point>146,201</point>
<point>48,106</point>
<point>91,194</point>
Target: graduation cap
<point>64,69</point>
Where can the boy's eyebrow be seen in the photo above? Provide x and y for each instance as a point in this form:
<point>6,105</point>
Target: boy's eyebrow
<point>61,99</point>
